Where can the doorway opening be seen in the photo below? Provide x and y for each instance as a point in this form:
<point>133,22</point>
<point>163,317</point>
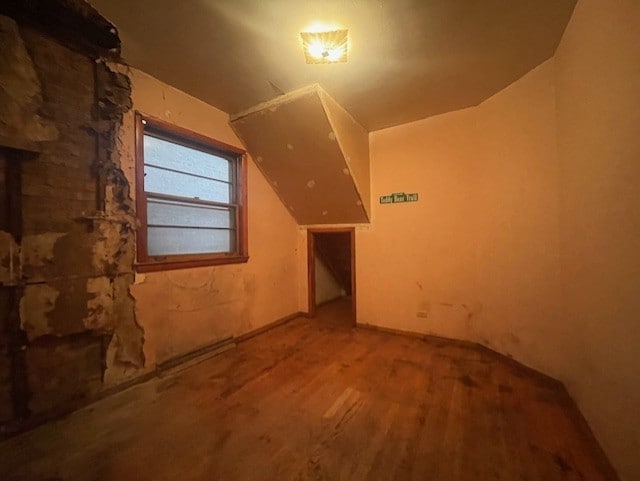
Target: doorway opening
<point>331,263</point>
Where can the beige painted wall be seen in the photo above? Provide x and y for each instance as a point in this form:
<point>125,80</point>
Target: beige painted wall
<point>182,310</point>
<point>598,104</point>
<point>516,223</point>
<point>477,256</point>
<point>526,237</point>
<point>327,287</point>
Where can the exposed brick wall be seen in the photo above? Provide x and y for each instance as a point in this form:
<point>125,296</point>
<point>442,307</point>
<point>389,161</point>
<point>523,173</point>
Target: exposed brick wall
<point>6,409</point>
<point>61,177</point>
<point>3,194</point>
<point>65,308</point>
<point>6,403</point>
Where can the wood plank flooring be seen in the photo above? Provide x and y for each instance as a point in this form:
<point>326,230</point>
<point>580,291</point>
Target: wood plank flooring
<point>321,400</point>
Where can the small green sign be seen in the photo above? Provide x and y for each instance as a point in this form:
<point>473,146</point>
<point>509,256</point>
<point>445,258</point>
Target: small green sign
<point>398,197</point>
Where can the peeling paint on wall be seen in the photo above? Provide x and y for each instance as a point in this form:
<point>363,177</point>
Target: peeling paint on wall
<point>112,251</point>
<point>21,122</point>
<point>37,249</point>
<point>128,338</point>
<point>37,302</point>
<point>71,270</point>
<point>99,305</point>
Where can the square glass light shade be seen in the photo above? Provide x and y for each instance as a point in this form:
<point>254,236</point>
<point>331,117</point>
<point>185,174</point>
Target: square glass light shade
<point>325,47</point>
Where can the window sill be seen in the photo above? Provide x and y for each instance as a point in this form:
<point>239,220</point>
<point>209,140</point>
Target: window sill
<point>168,265</point>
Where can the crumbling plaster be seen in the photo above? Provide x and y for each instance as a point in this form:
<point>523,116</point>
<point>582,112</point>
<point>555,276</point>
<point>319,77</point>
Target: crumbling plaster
<point>9,259</point>
<point>73,275</point>
<point>66,256</point>
<point>21,123</point>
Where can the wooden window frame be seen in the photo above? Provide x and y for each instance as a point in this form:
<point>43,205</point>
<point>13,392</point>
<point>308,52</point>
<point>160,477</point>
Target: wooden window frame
<point>187,138</point>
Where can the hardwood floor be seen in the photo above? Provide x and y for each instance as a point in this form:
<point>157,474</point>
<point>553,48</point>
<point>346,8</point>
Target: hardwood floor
<point>320,400</point>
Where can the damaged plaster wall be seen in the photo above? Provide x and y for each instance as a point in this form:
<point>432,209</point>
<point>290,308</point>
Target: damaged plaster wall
<point>21,124</point>
<point>67,265</point>
<point>74,324</point>
<point>7,260</point>
<point>183,310</point>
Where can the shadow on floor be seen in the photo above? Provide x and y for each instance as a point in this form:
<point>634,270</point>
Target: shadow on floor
<point>338,312</point>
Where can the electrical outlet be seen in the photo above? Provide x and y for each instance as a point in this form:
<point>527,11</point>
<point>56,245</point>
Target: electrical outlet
<point>422,314</point>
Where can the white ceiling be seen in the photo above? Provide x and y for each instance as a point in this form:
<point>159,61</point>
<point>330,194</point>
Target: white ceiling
<point>408,59</point>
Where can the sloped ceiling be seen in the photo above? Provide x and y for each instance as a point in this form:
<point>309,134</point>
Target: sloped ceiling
<point>408,59</point>
<point>313,153</point>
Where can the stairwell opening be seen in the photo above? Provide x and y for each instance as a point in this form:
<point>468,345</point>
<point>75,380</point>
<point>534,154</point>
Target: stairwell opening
<point>331,274</point>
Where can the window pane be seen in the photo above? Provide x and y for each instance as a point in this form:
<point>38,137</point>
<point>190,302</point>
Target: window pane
<point>166,212</point>
<point>171,240</point>
<point>185,185</point>
<point>177,157</point>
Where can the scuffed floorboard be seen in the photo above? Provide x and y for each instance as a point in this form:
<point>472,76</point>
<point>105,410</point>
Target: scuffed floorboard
<point>317,400</point>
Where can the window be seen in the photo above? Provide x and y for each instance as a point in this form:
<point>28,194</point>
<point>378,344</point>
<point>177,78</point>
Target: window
<point>190,198</point>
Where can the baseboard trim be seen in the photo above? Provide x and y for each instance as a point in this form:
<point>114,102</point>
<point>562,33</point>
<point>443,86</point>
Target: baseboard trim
<point>397,332</point>
<point>209,350</point>
<point>267,327</point>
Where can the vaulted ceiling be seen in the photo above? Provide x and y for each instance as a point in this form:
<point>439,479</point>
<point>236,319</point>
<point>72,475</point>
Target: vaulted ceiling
<point>408,59</point>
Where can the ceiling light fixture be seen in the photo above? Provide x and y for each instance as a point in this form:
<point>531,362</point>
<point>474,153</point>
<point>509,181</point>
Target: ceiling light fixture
<point>325,47</point>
